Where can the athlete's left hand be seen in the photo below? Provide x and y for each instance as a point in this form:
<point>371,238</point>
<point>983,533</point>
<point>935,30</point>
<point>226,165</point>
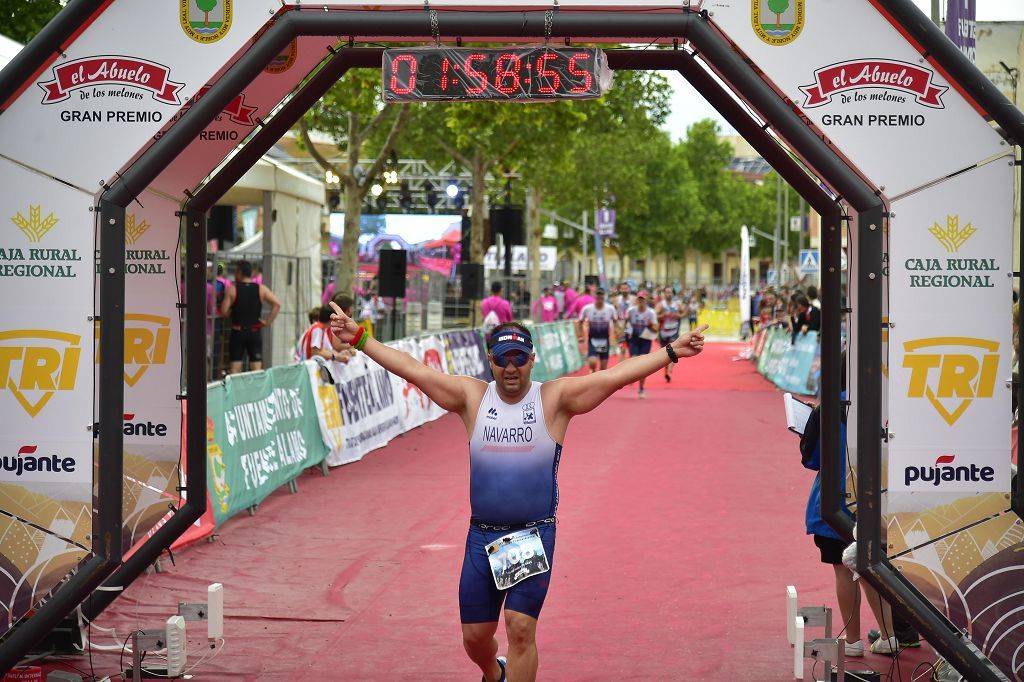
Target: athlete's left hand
<point>690,343</point>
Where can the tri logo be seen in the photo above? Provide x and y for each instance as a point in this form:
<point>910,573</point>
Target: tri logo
<point>951,372</point>
<point>146,339</point>
<point>37,363</point>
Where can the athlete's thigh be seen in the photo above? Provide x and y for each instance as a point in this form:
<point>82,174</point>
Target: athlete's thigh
<point>479,598</point>
<point>528,596</point>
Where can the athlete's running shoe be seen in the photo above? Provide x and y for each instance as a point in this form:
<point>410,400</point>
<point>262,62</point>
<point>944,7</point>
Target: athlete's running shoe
<point>501,662</point>
<point>641,394</point>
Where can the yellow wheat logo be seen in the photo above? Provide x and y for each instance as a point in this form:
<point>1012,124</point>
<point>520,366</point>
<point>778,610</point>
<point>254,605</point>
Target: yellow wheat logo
<point>35,226</point>
<point>953,237</point>
<point>133,230</point>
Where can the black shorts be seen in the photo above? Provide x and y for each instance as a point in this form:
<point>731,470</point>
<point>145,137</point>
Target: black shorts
<point>831,549</point>
<point>594,353</point>
<point>666,340</point>
<point>245,342</point>
<point>639,346</point>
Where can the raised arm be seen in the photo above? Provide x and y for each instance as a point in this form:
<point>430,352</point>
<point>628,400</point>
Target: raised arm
<point>578,395</point>
<point>451,393</point>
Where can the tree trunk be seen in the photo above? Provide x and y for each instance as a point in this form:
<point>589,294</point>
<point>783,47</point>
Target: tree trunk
<point>533,199</point>
<point>206,20</point>
<point>478,208</point>
<point>778,21</point>
<point>348,262</point>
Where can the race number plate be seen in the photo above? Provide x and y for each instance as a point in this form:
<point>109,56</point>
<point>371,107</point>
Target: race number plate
<point>600,345</point>
<point>517,556</point>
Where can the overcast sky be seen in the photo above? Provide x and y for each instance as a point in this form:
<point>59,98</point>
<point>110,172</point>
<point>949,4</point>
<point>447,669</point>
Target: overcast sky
<point>688,106</point>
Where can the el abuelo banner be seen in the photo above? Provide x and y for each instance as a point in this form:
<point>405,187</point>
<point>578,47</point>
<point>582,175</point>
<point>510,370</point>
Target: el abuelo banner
<point>950,343</point>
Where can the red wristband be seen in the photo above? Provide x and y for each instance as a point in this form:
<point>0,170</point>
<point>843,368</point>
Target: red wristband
<point>355,339</point>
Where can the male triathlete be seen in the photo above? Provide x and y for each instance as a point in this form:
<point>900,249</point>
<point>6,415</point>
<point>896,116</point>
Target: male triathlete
<point>516,428</point>
<point>670,313</point>
<point>641,328</point>
<point>598,326</point>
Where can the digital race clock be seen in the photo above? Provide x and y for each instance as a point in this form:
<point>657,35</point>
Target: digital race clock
<point>431,74</point>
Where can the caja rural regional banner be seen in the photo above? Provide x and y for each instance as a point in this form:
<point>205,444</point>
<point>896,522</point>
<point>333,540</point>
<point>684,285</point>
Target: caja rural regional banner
<point>950,343</point>
<point>46,385</point>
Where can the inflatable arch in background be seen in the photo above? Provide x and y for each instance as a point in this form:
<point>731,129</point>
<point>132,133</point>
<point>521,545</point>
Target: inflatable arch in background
<point>122,123</point>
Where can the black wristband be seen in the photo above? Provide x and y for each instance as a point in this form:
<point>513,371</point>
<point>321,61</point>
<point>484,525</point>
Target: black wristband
<point>671,353</point>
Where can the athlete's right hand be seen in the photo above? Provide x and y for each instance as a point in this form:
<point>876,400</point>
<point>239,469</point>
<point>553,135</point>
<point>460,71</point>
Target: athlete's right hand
<point>343,327</point>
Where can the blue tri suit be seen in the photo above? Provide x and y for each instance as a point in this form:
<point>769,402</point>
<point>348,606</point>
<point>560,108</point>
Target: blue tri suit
<point>512,485</point>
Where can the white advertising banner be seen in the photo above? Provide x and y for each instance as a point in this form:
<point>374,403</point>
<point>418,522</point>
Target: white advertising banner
<point>369,410</point>
<point>46,384</point>
<point>521,258</point>
<point>413,404</point>
<point>121,81</point>
<point>887,110</point>
<point>745,278</point>
<point>950,345</point>
<point>152,359</point>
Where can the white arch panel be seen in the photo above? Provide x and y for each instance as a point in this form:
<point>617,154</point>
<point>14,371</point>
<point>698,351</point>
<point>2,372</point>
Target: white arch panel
<point>116,86</point>
<point>866,88</point>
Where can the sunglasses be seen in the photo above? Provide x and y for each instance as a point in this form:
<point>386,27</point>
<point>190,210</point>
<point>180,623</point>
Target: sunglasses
<point>515,358</point>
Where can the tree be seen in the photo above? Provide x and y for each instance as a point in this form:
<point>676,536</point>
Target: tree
<point>206,6</point>
<point>352,114</point>
<point>21,21</point>
<point>778,7</point>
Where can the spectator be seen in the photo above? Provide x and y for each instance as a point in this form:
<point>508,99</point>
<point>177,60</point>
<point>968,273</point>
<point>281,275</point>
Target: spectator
<point>244,303</point>
<point>316,339</point>
<point>812,296</point>
<point>568,299</point>
<point>495,309</point>
<point>579,303</point>
<point>807,318</point>
<point>892,635</point>
<point>546,306</point>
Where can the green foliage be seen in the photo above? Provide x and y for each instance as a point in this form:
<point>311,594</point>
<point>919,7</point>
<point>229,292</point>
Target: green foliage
<point>778,6</point>
<point>21,20</point>
<point>206,5</point>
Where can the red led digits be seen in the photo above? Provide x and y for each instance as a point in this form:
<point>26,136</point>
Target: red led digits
<point>406,89</point>
<point>549,75</point>
<point>588,79</point>
<point>510,69</point>
<point>445,65</point>
<point>470,71</point>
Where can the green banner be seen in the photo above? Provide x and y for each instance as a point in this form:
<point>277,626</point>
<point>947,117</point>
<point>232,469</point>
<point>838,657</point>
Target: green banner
<point>262,431</point>
<point>550,358</point>
<point>570,346</point>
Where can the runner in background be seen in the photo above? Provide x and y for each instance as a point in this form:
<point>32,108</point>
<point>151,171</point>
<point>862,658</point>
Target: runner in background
<point>243,303</point>
<point>622,303</point>
<point>598,326</point>
<point>642,329</point>
<point>693,308</point>
<point>670,316</point>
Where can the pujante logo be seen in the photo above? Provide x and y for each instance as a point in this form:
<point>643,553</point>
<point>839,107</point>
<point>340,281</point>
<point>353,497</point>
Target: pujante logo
<point>205,21</point>
<point>36,363</point>
<point>28,461</point>
<point>134,228</point>
<point>128,72</point>
<point>893,78</point>
<point>952,237</point>
<point>146,338</point>
<point>35,226</point>
<point>945,471</point>
<point>951,372</point>
<point>777,22</point>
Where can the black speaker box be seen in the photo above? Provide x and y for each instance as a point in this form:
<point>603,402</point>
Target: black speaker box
<point>220,224</point>
<point>391,275</point>
<point>472,281</point>
<point>508,222</point>
<point>467,232</point>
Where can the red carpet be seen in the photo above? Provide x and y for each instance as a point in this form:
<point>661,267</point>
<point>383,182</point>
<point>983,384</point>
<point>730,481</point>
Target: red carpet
<point>681,523</point>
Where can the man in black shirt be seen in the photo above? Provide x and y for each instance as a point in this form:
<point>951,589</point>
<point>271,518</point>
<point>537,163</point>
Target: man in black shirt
<point>243,303</point>
<point>807,318</point>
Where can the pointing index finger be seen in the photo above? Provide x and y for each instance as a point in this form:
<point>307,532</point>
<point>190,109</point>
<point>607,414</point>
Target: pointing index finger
<point>335,307</point>
<point>703,328</point>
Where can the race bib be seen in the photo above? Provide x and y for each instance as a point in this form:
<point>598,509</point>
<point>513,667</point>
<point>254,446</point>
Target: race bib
<point>517,556</point>
<point>600,345</point>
